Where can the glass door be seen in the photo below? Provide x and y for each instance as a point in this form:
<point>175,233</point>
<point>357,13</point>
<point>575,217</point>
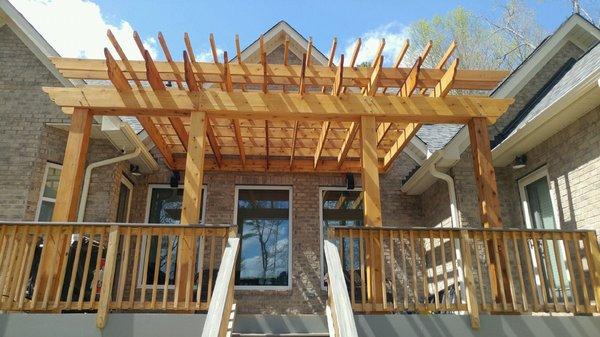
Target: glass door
<point>341,207</point>
<point>539,214</point>
<point>264,220</point>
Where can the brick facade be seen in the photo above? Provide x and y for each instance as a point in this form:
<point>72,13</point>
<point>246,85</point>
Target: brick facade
<point>27,143</point>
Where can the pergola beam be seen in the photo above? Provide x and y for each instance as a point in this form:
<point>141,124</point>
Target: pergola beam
<point>252,73</point>
<point>279,106</point>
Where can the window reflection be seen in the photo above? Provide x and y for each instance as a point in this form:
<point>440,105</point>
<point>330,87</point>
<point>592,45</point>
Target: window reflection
<point>263,220</point>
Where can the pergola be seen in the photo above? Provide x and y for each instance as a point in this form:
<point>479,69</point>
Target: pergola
<point>236,116</point>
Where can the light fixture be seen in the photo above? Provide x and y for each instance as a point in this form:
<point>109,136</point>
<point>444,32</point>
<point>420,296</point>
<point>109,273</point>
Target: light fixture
<point>520,162</point>
<point>169,84</point>
<point>174,181</point>
<point>135,170</point>
<point>350,181</point>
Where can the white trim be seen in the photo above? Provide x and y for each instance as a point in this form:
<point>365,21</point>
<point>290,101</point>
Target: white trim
<point>129,185</point>
<point>43,188</point>
<point>147,216</point>
<point>321,238</point>
<point>524,182</point>
<point>290,230</point>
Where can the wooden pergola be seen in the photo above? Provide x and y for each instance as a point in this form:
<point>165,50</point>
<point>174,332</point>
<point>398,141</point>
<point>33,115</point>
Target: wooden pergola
<point>236,116</point>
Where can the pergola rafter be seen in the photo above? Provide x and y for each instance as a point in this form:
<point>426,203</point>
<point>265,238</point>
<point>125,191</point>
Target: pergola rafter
<point>310,112</point>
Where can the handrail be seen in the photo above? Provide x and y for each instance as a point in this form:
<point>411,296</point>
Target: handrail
<point>220,307</point>
<point>118,224</point>
<point>339,301</point>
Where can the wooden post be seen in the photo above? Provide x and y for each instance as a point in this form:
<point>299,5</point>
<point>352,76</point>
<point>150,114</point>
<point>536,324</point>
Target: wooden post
<point>67,196</point>
<point>192,194</point>
<point>485,176</point>
<point>108,277</point>
<point>371,207</point>
<point>487,195</point>
<point>467,265</point>
<point>593,255</point>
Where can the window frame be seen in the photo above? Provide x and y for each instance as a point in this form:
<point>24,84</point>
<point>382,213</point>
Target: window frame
<point>528,179</point>
<point>43,188</point>
<point>139,283</point>
<point>129,185</point>
<point>321,233</point>
<point>290,230</point>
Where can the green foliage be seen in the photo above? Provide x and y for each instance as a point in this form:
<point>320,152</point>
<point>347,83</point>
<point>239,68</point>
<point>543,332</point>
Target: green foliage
<point>482,43</point>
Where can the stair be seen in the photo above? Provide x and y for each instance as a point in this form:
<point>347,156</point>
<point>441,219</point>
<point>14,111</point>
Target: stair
<point>242,334</point>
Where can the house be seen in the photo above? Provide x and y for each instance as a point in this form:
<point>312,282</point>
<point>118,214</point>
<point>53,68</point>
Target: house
<point>247,174</point>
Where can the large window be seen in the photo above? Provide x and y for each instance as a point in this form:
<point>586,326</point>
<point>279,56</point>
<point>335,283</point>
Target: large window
<point>164,207</point>
<point>264,221</point>
<point>48,192</point>
<point>341,207</point>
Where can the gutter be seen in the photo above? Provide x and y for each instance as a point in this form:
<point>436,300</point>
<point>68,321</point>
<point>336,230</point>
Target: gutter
<point>88,175</point>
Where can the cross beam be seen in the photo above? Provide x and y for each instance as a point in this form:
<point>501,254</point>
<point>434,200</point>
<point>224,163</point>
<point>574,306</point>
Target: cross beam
<point>280,106</point>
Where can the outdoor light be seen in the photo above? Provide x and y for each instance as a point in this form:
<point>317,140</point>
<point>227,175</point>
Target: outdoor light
<point>169,84</point>
<point>520,161</point>
<point>135,170</point>
<point>174,182</point>
<point>350,181</point>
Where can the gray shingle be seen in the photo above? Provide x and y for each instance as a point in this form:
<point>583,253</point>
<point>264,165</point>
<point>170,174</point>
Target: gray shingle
<point>436,136</point>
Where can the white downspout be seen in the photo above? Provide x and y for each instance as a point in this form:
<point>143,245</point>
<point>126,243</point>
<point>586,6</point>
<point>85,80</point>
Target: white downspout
<point>455,222</point>
<point>88,175</point>
<point>451,193</point>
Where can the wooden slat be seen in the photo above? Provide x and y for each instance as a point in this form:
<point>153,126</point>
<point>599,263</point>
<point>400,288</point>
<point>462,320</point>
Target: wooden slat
<point>108,277</point>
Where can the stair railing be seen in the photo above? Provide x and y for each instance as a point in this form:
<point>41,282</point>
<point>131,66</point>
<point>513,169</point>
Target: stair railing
<point>220,309</point>
<point>340,316</point>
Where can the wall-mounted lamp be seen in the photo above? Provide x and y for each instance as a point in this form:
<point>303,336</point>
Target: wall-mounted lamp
<point>520,161</point>
<point>350,181</point>
<point>135,170</point>
<point>174,181</point>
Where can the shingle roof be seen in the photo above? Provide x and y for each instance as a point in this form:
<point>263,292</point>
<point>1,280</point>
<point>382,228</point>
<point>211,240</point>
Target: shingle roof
<point>588,63</point>
<point>436,136</point>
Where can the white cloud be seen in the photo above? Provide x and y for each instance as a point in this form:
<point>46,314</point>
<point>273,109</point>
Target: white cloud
<point>394,34</point>
<point>206,55</point>
<point>77,28</point>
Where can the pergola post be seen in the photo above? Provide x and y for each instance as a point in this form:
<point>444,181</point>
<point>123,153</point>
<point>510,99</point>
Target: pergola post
<point>371,206</point>
<point>487,195</point>
<point>67,195</point>
<point>192,195</point>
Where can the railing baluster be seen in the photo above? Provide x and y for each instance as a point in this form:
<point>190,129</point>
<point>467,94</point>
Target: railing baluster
<point>28,267</point>
<point>414,270</point>
<point>519,269</point>
<point>472,307</point>
<point>6,267</point>
<point>202,243</point>
<point>572,278</point>
<point>531,276</point>
<point>404,272</point>
<point>159,238</point>
<point>166,283</point>
<point>123,270</point>
<point>539,272</point>
<point>444,271</point>
<point>584,288</point>
<point>393,271</point>
<point>108,277</point>
<point>479,272</point>
<point>362,244</point>
<point>593,258</point>
<point>561,277</point>
<point>86,267</point>
<point>136,266</point>
<point>97,281</point>
<point>549,269</point>
<point>511,285</point>
<point>434,271</point>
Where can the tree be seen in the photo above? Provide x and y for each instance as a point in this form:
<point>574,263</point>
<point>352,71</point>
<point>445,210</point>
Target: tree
<point>482,43</point>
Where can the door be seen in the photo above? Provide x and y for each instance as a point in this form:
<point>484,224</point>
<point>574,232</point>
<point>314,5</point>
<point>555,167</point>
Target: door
<point>264,216</point>
<point>539,211</point>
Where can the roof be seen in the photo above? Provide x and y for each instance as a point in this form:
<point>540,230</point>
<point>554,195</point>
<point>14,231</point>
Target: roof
<point>436,136</point>
<point>582,68</point>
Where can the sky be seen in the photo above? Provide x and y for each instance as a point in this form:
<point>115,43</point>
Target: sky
<point>77,28</point>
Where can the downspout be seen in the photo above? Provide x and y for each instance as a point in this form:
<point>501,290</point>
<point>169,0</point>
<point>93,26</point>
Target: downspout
<point>88,175</point>
<point>455,222</point>
<point>451,193</point>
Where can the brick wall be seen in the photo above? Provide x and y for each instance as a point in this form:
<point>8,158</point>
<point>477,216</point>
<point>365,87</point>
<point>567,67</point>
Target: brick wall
<point>306,295</point>
<point>27,143</point>
<point>435,200</point>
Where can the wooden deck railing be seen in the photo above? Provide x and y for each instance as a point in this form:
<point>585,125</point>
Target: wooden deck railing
<point>108,267</point>
<point>452,270</point>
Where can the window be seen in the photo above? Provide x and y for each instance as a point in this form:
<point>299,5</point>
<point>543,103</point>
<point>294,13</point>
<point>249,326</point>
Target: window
<point>164,207</point>
<point>124,205</point>
<point>48,192</point>
<point>340,207</point>
<point>263,217</point>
